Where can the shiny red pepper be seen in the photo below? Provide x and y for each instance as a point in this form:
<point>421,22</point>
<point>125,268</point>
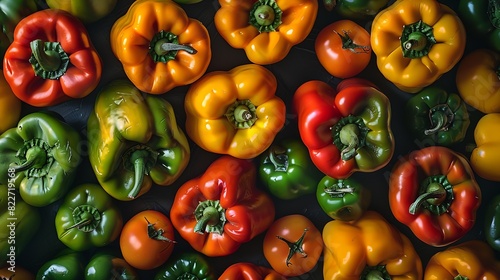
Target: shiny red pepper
<point>434,192</point>
<point>51,59</point>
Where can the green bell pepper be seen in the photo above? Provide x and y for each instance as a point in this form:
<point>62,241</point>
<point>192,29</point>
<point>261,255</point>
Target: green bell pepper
<point>43,152</point>
<point>12,12</point>
<point>19,222</point>
<point>87,11</point>
<point>105,265</point>
<point>190,265</point>
<point>437,117</point>
<point>67,265</point>
<point>87,218</point>
<point>287,170</point>
<point>355,9</point>
<point>343,199</point>
<point>492,223</point>
<point>134,141</point>
<point>482,19</point>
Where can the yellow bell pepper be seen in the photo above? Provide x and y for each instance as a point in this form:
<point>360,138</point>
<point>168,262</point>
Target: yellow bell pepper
<point>485,158</point>
<point>416,42</point>
<point>477,80</point>
<point>159,46</point>
<point>235,112</point>
<point>10,106</point>
<point>368,248</point>
<point>472,259</point>
<point>265,29</point>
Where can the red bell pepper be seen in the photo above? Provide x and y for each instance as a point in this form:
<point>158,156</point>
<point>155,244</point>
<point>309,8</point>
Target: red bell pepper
<point>434,192</point>
<point>221,209</point>
<point>346,129</point>
<point>51,59</point>
<point>250,271</point>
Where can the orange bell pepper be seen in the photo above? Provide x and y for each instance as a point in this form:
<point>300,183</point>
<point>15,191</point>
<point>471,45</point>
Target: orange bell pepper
<point>159,46</point>
<point>265,29</point>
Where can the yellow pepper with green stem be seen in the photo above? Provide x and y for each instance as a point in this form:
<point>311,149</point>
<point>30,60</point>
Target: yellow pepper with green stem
<point>416,42</point>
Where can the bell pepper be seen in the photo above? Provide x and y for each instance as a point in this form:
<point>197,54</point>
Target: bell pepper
<point>159,46</point>
<point>187,265</point>
<point>472,259</point>
<point>11,13</point>
<point>51,59</point>
<point>88,218</point>
<point>485,156</point>
<point>265,29</point>
<point>18,272</point>
<point>235,112</point>
<point>106,265</point>
<point>222,209</point>
<point>477,80</point>
<point>40,156</point>
<point>19,221</point>
<point>492,223</point>
<point>287,170</point>
<point>437,117</point>
<point>10,106</point>
<point>355,9</point>
<point>416,42</point>
<point>482,20</point>
<point>368,248</point>
<point>433,191</point>
<point>66,265</point>
<point>343,199</point>
<point>134,141</point>
<point>88,11</point>
<point>346,129</point>
<point>250,271</point>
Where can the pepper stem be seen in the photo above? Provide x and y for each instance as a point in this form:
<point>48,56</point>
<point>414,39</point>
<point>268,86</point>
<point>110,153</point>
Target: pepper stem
<point>86,218</point>
<point>36,157</point>
<point>163,46</point>
<point>349,137</point>
<point>141,159</point>
<point>265,15</point>
<point>210,217</point>
<point>460,277</point>
<point>441,116</point>
<point>349,134</point>
<point>435,195</point>
<point>241,114</point>
<point>378,272</point>
<point>157,234</point>
<point>417,39</point>
<point>48,59</point>
<point>295,247</point>
<point>348,43</point>
<point>279,158</point>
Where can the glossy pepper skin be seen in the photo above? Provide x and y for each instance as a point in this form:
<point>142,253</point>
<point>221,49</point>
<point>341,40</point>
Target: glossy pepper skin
<point>18,217</point>
<point>87,218</point>
<point>187,265</point>
<point>355,9</point>
<point>8,103</point>
<point>106,265</point>
<point>437,117</point>
<point>433,191</point>
<point>485,157</point>
<point>43,152</point>
<point>265,29</point>
<point>368,247</point>
<point>415,47</point>
<point>51,59</point>
<point>477,80</point>
<point>343,199</point>
<point>346,129</point>
<point>134,141</point>
<point>492,223</point>
<point>235,112</point>
<point>67,265</point>
<point>287,170</point>
<point>159,46</point>
<point>482,19</point>
<point>472,259</point>
<point>88,11</point>
<point>11,13</point>
<point>221,209</point>
<point>250,271</point>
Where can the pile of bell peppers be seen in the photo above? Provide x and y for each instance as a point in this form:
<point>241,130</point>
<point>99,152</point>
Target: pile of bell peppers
<point>264,145</point>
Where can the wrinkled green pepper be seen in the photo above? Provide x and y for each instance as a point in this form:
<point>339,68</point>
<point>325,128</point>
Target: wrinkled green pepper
<point>482,19</point>
<point>355,9</point>
<point>88,218</point>
<point>19,222</point>
<point>134,141</point>
<point>435,116</point>
<point>492,223</point>
<point>106,265</point>
<point>67,265</point>
<point>287,170</point>
<point>343,199</point>
<point>43,152</point>
<point>190,265</point>
<point>87,11</point>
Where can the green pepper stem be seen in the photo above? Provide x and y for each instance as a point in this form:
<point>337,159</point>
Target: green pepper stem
<point>349,137</point>
<point>264,15</point>
<point>139,159</point>
<point>295,247</point>
<point>157,234</point>
<point>341,191</point>
<point>163,46</point>
<point>416,41</point>
<point>440,124</point>
<point>374,275</point>
<point>210,216</point>
<point>348,43</point>
<point>241,114</point>
<point>35,157</point>
<point>279,158</point>
<point>460,277</point>
<point>435,194</point>
<point>49,60</point>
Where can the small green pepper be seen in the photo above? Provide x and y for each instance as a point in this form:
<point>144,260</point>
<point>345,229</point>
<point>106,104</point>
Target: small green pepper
<point>105,265</point>
<point>67,265</point>
<point>43,152</point>
<point>190,265</point>
<point>437,116</point>
<point>482,19</point>
<point>492,223</point>
<point>88,218</point>
<point>287,170</point>
<point>355,9</point>
<point>345,200</point>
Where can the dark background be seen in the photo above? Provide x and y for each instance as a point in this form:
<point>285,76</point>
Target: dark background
<point>299,66</point>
